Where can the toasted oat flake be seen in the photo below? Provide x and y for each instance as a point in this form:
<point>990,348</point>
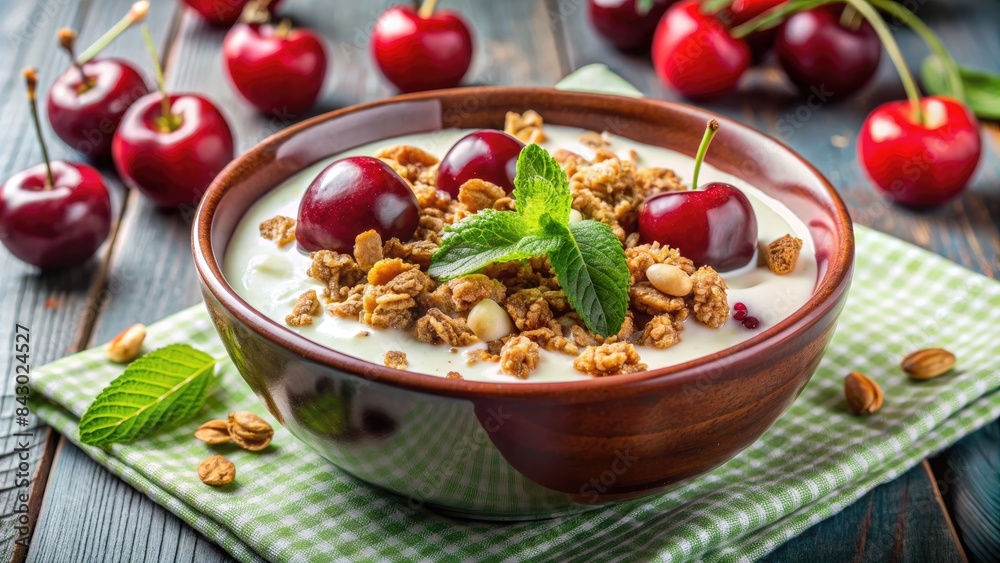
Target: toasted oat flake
<point>395,359</point>
<point>305,309</point>
<point>782,254</point>
<point>279,229</point>
<point>454,375</point>
<point>609,359</point>
<point>367,249</point>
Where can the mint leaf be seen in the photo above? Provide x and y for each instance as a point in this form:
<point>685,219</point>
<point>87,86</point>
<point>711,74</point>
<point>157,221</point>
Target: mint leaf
<point>587,257</point>
<point>485,238</point>
<point>591,269</point>
<point>540,186</point>
<point>160,389</point>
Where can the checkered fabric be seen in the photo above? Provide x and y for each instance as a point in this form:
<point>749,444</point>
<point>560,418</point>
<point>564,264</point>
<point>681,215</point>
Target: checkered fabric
<point>291,505</point>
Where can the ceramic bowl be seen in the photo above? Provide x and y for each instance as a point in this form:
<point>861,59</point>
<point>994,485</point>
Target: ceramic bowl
<point>520,451</point>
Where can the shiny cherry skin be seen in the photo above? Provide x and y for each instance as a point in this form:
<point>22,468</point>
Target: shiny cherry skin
<point>742,11</point>
<point>85,116</point>
<point>621,24</point>
<point>59,226</point>
<point>694,54</point>
<point>488,155</point>
<point>351,196</point>
<point>279,74</point>
<point>416,53</point>
<point>823,57</point>
<point>223,12</point>
<point>713,226</point>
<point>920,164</point>
<point>172,168</point>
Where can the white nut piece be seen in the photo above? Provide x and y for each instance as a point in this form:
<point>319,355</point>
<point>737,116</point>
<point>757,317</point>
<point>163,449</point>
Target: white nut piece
<point>670,279</point>
<point>489,321</point>
<point>575,215</point>
<point>125,347</point>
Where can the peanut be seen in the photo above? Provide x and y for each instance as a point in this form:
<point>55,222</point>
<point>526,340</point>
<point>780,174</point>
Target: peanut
<point>489,321</point>
<point>575,216</point>
<point>125,347</point>
<point>670,279</point>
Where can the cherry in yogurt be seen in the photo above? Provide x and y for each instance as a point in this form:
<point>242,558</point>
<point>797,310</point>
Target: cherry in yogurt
<point>351,196</point>
<point>488,155</point>
<point>713,226</point>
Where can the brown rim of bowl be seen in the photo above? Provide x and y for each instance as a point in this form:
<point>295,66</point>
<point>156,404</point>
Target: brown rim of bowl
<point>822,301</point>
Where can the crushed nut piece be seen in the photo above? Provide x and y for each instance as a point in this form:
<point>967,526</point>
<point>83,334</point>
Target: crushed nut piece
<point>552,341</point>
<point>395,359</point>
<point>529,309</point>
<point>783,253</point>
<point>594,140</point>
<point>519,356</point>
<point>383,271</point>
<point>216,471</point>
<point>527,127</point>
<point>479,194</point>
<point>367,249</point>
<point>710,305</point>
<point>609,359</point>
<point>409,162</point>
<point>279,229</point>
<point>126,346</point>
<point>864,396</point>
<point>249,431</point>
<point>338,271</point>
<point>640,258</point>
<point>474,356</point>
<point>436,328</point>
<point>213,432</point>
<point>304,309</point>
<point>662,331</point>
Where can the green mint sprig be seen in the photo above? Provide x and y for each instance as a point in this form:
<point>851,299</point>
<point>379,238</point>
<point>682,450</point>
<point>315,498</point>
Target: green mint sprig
<point>587,257</point>
<point>161,389</point>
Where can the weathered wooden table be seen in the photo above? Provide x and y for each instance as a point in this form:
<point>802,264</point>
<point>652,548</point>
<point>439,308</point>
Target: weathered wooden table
<point>81,512</point>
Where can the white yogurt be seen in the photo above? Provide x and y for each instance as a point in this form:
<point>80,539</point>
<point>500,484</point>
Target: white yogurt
<point>272,278</point>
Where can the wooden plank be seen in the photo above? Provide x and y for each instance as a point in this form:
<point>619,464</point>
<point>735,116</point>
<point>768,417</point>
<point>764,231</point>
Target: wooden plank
<point>58,307</point>
<point>899,521</point>
<point>152,268</point>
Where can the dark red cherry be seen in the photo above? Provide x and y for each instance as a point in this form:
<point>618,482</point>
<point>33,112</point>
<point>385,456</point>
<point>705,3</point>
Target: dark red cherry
<point>626,24</point>
<point>59,224</point>
<point>823,57</point>
<point>422,50</point>
<point>278,70</point>
<point>713,226</point>
<point>85,115</point>
<point>223,12</point>
<point>487,155</point>
<point>694,53</point>
<point>351,196</point>
<point>173,161</point>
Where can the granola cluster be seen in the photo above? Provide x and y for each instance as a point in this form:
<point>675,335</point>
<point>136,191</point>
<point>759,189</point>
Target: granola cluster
<point>385,284</point>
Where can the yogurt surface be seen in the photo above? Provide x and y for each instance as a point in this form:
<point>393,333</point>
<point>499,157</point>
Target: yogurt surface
<point>271,278</point>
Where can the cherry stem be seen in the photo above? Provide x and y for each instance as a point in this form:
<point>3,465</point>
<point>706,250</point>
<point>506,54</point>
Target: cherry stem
<point>850,19</point>
<point>775,16</point>
<point>868,12</point>
<point>710,130</point>
<point>67,40</point>
<point>256,12</point>
<point>708,7</point>
<point>427,8</point>
<point>31,82</point>
<point>911,20</point>
<point>284,28</point>
<point>168,121</point>
<point>136,13</point>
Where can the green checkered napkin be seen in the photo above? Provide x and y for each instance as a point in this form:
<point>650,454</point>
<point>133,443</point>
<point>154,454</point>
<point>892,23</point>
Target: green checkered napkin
<point>291,505</point>
<point>288,504</point>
